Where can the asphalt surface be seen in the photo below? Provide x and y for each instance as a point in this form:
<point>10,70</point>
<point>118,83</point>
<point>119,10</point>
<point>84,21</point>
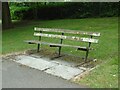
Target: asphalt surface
<point>15,75</point>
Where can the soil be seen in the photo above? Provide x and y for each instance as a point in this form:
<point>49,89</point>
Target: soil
<point>52,55</point>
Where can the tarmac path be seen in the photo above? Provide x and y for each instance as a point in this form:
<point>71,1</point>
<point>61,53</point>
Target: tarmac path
<point>15,75</point>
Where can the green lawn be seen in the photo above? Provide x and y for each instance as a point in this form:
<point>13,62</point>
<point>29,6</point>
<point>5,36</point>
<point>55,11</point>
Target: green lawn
<point>106,75</point>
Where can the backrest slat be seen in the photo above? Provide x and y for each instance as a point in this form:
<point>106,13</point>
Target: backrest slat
<point>67,37</point>
<point>68,31</point>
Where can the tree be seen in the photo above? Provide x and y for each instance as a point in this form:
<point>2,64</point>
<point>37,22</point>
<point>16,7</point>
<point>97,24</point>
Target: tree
<point>6,17</point>
<point>0,9</point>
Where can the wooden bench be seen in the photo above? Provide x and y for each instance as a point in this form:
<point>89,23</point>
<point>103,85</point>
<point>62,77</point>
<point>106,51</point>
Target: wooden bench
<point>60,34</point>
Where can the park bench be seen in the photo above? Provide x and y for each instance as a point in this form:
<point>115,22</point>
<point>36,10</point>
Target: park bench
<point>60,34</point>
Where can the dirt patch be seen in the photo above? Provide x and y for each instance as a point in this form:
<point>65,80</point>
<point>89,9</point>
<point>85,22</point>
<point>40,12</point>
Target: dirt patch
<point>70,58</point>
<point>53,55</point>
<point>11,56</point>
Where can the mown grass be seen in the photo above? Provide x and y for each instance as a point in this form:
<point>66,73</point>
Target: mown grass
<point>106,51</point>
<point>105,76</point>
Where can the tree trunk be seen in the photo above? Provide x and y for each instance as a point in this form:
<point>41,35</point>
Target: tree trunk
<point>6,17</point>
<point>0,10</point>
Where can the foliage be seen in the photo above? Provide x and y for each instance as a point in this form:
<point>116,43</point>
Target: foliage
<point>55,10</point>
<point>17,11</point>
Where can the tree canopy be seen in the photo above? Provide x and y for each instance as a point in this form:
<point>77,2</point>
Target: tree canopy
<point>56,10</point>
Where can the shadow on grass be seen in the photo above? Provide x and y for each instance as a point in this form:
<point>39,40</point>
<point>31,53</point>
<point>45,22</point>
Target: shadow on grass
<point>24,23</point>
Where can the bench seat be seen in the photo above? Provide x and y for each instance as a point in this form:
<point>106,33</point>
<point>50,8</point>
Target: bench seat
<point>58,45</point>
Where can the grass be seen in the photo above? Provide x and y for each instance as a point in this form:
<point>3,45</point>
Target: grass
<point>106,51</point>
<point>105,76</point>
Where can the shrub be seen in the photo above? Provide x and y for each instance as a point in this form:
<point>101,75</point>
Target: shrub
<point>64,10</point>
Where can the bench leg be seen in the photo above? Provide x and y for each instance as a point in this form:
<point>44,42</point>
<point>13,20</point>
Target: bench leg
<point>38,47</point>
<point>59,51</point>
<point>87,51</point>
<point>60,46</point>
<point>86,55</point>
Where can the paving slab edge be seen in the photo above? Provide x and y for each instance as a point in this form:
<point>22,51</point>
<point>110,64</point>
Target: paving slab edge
<point>80,76</point>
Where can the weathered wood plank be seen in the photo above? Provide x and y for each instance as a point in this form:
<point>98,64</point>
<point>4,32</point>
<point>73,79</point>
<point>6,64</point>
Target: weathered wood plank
<point>67,37</point>
<point>40,42</point>
<point>67,31</point>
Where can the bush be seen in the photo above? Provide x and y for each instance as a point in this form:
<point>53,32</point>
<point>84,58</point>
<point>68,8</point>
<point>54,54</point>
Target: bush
<point>17,12</point>
<point>64,10</point>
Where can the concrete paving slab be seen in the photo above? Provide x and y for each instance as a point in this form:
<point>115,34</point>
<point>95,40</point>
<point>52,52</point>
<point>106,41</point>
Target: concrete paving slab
<point>57,60</point>
<point>40,63</point>
<point>65,72</point>
<point>56,67</point>
<point>66,63</point>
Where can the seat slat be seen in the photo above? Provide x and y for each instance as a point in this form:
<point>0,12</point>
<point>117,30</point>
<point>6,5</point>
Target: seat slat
<point>39,42</point>
<point>67,37</point>
<point>67,31</point>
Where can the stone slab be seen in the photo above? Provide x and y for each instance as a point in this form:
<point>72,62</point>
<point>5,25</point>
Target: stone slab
<point>65,72</point>
<point>56,67</point>
<point>63,62</point>
<point>34,62</point>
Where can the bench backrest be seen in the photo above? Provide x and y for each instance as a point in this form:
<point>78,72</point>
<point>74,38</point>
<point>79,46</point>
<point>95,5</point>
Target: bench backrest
<point>41,32</point>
